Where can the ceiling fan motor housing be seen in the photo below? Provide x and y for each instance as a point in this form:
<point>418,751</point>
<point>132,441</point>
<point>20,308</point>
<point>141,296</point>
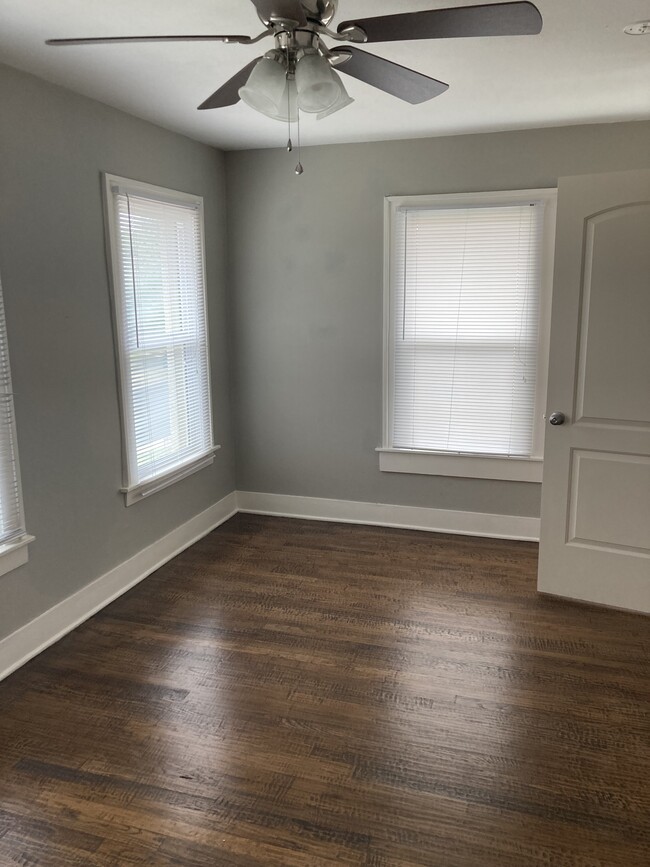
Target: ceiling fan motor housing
<point>320,10</point>
<point>316,11</point>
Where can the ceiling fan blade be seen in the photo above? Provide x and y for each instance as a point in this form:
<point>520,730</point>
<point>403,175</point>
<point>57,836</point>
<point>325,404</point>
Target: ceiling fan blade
<point>228,93</point>
<point>99,40</point>
<point>493,19</point>
<point>291,10</point>
<point>406,84</point>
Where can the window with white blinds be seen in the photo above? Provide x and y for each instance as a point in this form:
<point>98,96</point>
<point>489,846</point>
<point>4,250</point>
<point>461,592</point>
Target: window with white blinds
<point>12,519</point>
<point>466,277</point>
<point>156,239</point>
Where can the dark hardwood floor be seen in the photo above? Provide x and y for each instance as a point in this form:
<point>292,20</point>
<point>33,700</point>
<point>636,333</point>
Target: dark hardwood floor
<point>296,694</point>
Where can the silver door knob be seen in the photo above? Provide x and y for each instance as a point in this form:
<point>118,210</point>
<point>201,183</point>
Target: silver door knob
<point>557,418</point>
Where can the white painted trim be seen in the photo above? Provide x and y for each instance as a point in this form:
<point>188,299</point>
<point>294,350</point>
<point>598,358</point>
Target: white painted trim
<point>14,554</point>
<point>513,469</point>
<point>391,203</point>
<point>53,624</point>
<point>112,185</point>
<point>385,515</point>
<point>145,489</point>
<point>124,186</point>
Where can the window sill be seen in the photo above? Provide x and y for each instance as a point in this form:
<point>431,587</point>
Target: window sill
<point>14,554</point>
<point>462,466</point>
<point>146,489</point>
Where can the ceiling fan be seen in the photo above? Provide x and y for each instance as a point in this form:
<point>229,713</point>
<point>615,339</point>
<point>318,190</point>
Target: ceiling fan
<point>299,72</point>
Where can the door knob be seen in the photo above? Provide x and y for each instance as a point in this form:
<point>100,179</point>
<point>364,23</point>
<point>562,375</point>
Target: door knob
<point>556,418</point>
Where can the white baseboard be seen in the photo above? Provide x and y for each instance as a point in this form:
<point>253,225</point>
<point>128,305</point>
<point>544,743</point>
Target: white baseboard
<point>35,636</point>
<point>29,640</point>
<point>381,514</point>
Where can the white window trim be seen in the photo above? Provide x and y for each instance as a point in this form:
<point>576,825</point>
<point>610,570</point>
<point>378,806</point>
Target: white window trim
<point>526,469</point>
<point>136,493</point>
<point>139,492</point>
<point>14,554</point>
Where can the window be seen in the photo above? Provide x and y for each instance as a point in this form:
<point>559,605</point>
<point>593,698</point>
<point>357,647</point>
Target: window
<point>158,281</point>
<point>468,285</point>
<point>13,538</point>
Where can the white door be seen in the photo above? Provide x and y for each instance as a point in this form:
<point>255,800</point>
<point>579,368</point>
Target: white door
<point>595,536</point>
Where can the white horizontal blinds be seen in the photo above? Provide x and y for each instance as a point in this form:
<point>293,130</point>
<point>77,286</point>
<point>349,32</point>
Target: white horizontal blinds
<point>11,512</point>
<point>466,286</point>
<point>164,336</point>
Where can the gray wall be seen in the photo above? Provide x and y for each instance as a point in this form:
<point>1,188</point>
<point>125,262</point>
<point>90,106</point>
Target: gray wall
<point>305,265</point>
<point>304,310</point>
<point>53,146</point>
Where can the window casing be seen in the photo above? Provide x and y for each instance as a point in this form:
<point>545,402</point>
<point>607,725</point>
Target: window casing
<point>466,312</point>
<point>13,537</point>
<point>155,239</point>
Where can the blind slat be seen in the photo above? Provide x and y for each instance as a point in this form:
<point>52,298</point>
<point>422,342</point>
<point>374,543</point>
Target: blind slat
<point>466,285</point>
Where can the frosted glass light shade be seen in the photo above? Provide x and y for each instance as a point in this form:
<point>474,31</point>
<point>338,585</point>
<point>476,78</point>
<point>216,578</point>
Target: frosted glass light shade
<point>344,98</point>
<point>317,87</point>
<point>287,108</point>
<point>265,87</point>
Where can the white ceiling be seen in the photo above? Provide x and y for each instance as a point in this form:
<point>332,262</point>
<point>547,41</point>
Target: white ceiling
<point>581,69</point>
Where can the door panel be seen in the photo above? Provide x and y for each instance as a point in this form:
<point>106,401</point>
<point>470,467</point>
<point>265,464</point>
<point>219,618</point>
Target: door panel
<point>615,311</point>
<point>595,538</point>
<point>619,519</point>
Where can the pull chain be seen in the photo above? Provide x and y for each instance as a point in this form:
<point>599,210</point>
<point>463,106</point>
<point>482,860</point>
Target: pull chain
<point>299,169</point>
<point>289,142</point>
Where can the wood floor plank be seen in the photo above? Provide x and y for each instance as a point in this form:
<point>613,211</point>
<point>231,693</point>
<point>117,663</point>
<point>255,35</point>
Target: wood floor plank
<point>301,694</point>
